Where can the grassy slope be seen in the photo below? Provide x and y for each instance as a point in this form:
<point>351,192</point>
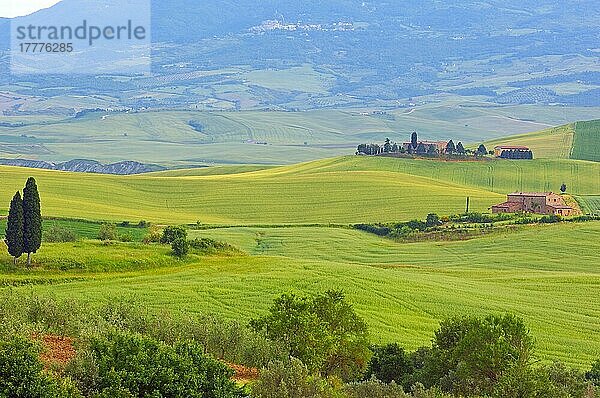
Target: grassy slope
<point>579,140</point>
<point>587,141</point>
<point>338,190</point>
<point>403,290</point>
<point>268,196</point>
<point>554,143</point>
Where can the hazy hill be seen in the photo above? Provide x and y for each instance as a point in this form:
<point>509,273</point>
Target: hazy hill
<point>361,52</point>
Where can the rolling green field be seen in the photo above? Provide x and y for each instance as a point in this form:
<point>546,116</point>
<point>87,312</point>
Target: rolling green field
<point>402,290</point>
<point>585,145</point>
<point>572,141</point>
<point>338,190</point>
<point>548,274</point>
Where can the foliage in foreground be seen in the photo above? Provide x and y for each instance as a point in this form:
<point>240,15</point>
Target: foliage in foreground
<point>22,374</point>
<point>323,332</point>
<point>125,364</point>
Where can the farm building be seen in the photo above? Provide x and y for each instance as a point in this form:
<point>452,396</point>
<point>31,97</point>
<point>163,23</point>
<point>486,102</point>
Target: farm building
<point>534,202</point>
<point>513,152</point>
<point>430,146</point>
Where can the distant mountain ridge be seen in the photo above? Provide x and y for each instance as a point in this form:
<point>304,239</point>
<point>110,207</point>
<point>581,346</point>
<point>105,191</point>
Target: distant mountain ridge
<point>86,166</point>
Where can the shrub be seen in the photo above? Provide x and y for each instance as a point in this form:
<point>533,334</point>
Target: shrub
<point>390,363</point>
<point>207,245</point>
<point>121,364</point>
<point>374,389</point>
<point>22,375</point>
<point>108,232</point>
<point>377,229</point>
<point>593,375</point>
<point>154,235</point>
<point>290,380</point>
<point>433,220</point>
<point>126,237</point>
<point>57,234</point>
<point>170,234</point>
<point>180,247</point>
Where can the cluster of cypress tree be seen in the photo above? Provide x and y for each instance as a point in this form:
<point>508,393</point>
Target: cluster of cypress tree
<point>24,226</point>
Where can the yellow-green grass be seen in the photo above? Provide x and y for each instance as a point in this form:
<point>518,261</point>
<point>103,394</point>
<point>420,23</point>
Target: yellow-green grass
<point>338,190</point>
<point>402,290</point>
<point>553,143</point>
<point>586,145</point>
<point>270,196</point>
<point>501,176</point>
<point>85,229</point>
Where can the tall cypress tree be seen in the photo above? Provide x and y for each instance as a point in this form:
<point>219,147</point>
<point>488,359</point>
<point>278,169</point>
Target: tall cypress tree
<point>14,227</point>
<point>32,219</point>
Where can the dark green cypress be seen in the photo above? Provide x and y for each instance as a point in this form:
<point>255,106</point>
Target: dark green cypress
<point>14,227</point>
<point>32,219</point>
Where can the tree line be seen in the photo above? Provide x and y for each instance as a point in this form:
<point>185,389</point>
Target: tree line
<point>24,224</point>
<point>420,148</point>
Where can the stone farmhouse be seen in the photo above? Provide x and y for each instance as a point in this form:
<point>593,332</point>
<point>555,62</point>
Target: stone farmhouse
<point>437,146</point>
<point>534,202</point>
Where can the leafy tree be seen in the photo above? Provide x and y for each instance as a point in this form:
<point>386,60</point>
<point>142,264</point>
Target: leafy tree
<point>389,363</point>
<point>22,375</point>
<point>14,228</point>
<point>414,139</point>
<point>460,149</point>
<point>593,374</point>
<point>108,232</point>
<point>432,150</point>
<point>563,188</point>
<point>421,149</point>
<point>433,220</point>
<point>475,352</point>
<point>32,219</point>
<point>387,147</point>
<point>172,233</point>
<point>481,150</point>
<point>450,147</point>
<point>180,247</point>
<point>324,333</point>
<point>395,148</point>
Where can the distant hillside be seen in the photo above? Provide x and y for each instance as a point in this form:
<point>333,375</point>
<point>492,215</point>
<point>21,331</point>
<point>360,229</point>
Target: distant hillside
<point>86,166</point>
<point>579,140</point>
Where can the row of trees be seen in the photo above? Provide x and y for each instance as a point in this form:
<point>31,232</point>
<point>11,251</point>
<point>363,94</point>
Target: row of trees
<point>420,148</point>
<point>516,154</point>
<point>24,224</point>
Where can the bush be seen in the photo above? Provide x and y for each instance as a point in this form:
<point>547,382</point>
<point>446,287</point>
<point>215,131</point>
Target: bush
<point>374,389</point>
<point>180,247</point>
<point>108,232</point>
<point>207,245</point>
<point>154,235</point>
<point>22,375</point>
<point>390,363</point>
<point>290,380</point>
<point>121,364</point>
<point>57,234</point>
<point>170,234</point>
<point>376,229</point>
<point>593,375</point>
<point>126,237</point>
